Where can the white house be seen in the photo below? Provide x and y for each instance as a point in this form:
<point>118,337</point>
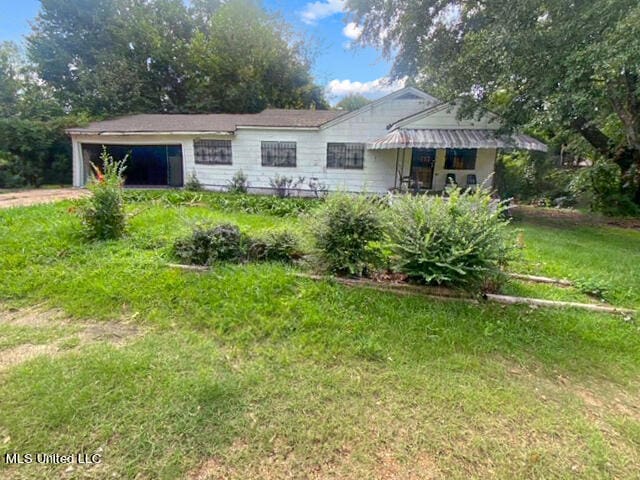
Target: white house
<point>407,139</point>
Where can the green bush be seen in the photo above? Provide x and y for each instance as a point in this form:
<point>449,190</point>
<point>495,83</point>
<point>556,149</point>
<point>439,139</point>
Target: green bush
<point>346,227</point>
<point>228,202</point>
<point>206,246</point>
<point>103,215</point>
<point>460,240</point>
<point>604,187</point>
<point>275,245</point>
<point>35,152</point>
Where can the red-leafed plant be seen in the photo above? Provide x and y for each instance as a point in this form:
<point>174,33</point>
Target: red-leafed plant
<point>103,215</point>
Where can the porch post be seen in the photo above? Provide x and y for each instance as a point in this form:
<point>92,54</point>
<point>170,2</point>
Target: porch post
<point>395,180</point>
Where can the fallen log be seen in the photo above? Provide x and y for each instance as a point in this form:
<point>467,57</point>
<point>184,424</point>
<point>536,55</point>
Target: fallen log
<point>538,279</point>
<point>554,303</point>
<point>444,293</point>
<point>196,268</point>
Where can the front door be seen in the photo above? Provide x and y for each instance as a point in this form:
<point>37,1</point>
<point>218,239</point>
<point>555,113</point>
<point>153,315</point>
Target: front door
<point>423,161</point>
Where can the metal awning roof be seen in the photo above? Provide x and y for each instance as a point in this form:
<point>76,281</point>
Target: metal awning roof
<point>453,138</point>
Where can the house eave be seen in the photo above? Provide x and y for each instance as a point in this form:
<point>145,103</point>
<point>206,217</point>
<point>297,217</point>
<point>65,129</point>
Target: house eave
<point>140,133</point>
<point>272,127</point>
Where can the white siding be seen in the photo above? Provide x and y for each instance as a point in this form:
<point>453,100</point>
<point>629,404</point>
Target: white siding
<point>446,118</point>
<point>377,176</point>
<point>379,166</point>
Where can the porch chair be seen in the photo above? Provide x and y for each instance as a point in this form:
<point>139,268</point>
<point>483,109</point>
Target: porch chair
<point>472,181</point>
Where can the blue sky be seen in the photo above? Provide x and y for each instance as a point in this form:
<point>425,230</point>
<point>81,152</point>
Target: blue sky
<point>340,68</point>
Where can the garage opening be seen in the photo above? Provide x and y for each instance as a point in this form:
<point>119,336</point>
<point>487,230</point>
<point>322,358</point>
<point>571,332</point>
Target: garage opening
<point>147,165</point>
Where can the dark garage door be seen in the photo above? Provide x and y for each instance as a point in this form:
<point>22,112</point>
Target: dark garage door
<point>147,165</point>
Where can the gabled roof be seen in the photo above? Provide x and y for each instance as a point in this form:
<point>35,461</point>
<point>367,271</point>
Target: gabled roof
<point>209,123</point>
<point>392,96</point>
<point>433,109</point>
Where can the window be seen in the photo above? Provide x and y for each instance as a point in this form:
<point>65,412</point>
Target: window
<point>212,152</point>
<point>345,155</point>
<point>460,159</point>
<point>278,154</point>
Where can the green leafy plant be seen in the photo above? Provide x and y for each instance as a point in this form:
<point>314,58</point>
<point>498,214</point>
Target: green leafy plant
<point>460,240</point>
<point>593,287</point>
<point>239,183</point>
<point>604,185</point>
<point>193,184</point>
<point>227,202</point>
<point>275,245</point>
<point>206,246</point>
<point>345,228</point>
<point>103,215</point>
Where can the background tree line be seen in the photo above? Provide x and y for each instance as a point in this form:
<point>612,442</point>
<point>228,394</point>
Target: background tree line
<point>566,71</point>
<point>89,59</point>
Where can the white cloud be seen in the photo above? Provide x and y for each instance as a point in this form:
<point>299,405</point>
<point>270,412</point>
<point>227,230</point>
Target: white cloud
<point>352,31</point>
<point>315,11</point>
<point>379,87</point>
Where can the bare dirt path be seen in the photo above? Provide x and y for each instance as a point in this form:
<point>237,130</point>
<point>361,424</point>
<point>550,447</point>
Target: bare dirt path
<point>54,334</point>
<point>22,198</point>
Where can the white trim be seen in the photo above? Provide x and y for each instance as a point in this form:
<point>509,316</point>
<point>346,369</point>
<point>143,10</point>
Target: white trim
<point>257,127</point>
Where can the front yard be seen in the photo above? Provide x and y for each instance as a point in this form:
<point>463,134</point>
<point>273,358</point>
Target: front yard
<point>252,372</point>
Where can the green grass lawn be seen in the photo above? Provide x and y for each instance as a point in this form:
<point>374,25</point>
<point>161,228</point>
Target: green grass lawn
<point>252,372</point>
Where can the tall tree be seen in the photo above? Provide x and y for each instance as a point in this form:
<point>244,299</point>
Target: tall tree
<point>125,56</point>
<point>244,59</point>
<point>9,81</point>
<point>574,66</point>
<point>352,102</point>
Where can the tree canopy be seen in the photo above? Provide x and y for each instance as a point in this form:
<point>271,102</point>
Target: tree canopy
<point>567,69</point>
<point>125,56</point>
<point>352,102</point>
<point>95,58</point>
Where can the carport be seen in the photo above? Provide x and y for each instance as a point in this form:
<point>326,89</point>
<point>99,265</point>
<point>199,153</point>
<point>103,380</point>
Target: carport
<point>147,165</point>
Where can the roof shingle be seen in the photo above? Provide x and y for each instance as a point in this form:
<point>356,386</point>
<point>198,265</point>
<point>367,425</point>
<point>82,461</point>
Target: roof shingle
<point>214,122</point>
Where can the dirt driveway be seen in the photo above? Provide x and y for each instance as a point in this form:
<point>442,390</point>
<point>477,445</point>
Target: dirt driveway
<point>22,198</point>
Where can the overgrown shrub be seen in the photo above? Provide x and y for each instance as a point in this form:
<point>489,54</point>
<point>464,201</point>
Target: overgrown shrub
<point>205,246</point>
<point>533,177</point>
<point>246,203</point>
<point>605,189</point>
<point>103,215</point>
<point>346,226</point>
<point>275,245</point>
<point>460,240</point>
<point>193,184</point>
<point>35,152</point>
<point>239,183</point>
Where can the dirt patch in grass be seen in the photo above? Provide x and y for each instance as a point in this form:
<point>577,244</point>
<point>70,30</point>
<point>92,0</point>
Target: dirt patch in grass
<point>575,217</point>
<point>80,334</point>
<point>285,465</point>
<point>25,198</point>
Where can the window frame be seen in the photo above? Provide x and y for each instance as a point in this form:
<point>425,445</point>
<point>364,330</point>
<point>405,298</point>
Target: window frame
<point>449,159</point>
<point>213,151</point>
<point>342,163</point>
<point>281,146</point>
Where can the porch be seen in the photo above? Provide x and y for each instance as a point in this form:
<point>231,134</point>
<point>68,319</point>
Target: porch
<point>427,160</point>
